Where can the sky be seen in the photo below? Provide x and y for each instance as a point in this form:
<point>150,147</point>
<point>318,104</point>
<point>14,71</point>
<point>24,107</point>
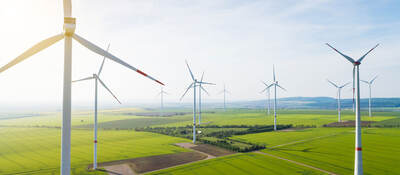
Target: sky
<point>234,42</point>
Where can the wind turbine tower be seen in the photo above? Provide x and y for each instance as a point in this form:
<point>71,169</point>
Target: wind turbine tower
<point>370,94</point>
<point>358,164</point>
<point>268,90</point>
<point>275,84</point>
<point>200,90</point>
<point>161,94</point>
<point>339,89</point>
<point>193,85</point>
<point>224,91</point>
<point>97,79</point>
<point>68,34</point>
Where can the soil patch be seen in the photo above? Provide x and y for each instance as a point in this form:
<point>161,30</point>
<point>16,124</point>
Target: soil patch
<point>211,150</point>
<point>146,164</point>
<point>349,123</point>
<point>122,169</point>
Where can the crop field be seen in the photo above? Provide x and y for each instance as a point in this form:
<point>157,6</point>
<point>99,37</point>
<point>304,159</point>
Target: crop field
<point>237,117</point>
<point>37,150</point>
<point>30,144</point>
<point>53,119</point>
<point>271,139</point>
<point>248,163</point>
<point>336,153</point>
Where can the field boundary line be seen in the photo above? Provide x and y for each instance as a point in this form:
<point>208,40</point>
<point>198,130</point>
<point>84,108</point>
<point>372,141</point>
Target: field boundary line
<point>305,140</point>
<point>297,163</point>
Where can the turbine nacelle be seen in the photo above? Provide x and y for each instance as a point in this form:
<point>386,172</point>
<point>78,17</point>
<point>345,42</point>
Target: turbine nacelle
<point>69,26</point>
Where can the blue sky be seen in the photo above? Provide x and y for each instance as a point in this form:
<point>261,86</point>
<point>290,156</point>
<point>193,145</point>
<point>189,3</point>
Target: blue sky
<point>234,42</point>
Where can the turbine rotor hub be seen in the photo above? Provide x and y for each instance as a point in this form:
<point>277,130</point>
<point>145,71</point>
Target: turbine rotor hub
<point>357,63</point>
<point>69,26</point>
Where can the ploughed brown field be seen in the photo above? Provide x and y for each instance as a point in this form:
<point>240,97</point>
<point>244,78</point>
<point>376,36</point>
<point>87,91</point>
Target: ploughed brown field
<point>212,150</point>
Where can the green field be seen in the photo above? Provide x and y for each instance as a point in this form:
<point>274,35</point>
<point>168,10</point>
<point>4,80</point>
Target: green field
<point>120,119</point>
<point>271,139</point>
<point>336,153</point>
<point>38,149</point>
<point>249,163</point>
<point>31,145</point>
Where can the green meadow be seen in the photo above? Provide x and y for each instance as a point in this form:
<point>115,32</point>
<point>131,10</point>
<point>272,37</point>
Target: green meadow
<point>248,163</point>
<point>335,153</point>
<point>37,150</point>
<point>31,145</point>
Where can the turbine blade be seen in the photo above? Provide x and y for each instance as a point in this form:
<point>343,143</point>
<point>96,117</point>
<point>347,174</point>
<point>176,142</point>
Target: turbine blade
<point>373,79</point>
<point>264,83</point>
<point>354,75</point>
<point>191,74</point>
<point>201,87</point>
<point>33,50</point>
<point>365,81</point>
<point>202,77</point>
<point>332,83</point>
<point>101,82</point>
<point>270,85</point>
<point>102,63</point>
<point>264,90</point>
<point>201,82</point>
<point>347,57</point>
<point>345,85</point>
<point>83,79</point>
<point>359,60</point>
<point>100,51</point>
<point>281,87</point>
<point>273,69</point>
<point>187,90</point>
<point>67,8</point>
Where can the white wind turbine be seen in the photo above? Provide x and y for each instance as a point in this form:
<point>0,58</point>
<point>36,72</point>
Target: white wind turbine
<point>275,84</point>
<point>224,91</point>
<point>268,90</point>
<point>161,94</point>
<point>97,79</point>
<point>68,34</point>
<point>201,89</point>
<point>193,85</point>
<point>358,165</point>
<point>339,89</point>
<point>370,94</point>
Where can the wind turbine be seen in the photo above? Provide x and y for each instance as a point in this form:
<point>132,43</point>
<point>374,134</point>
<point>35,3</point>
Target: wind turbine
<point>224,91</point>
<point>358,165</point>
<point>201,89</point>
<point>193,85</point>
<point>97,79</point>
<point>275,84</point>
<point>370,89</point>
<point>268,90</point>
<point>339,89</point>
<point>161,94</point>
<point>68,34</point>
